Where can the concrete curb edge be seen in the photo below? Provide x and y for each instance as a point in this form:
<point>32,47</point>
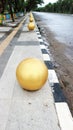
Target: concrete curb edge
<point>62,109</point>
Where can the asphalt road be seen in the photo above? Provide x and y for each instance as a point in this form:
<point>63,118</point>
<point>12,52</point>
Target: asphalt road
<point>60,24</point>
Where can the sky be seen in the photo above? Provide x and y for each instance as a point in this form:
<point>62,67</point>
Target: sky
<point>47,1</point>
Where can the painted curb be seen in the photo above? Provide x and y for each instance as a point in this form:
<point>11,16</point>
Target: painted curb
<point>62,109</point>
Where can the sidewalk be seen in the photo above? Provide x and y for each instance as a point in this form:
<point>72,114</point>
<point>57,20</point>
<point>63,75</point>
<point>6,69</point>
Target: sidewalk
<point>20,109</point>
<point>9,23</point>
<point>8,26</point>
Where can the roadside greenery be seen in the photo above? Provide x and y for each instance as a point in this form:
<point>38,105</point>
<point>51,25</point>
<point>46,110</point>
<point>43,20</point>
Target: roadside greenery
<point>11,7</point>
<point>61,6</point>
<point>16,6</point>
<point>19,5</point>
<point>33,4</point>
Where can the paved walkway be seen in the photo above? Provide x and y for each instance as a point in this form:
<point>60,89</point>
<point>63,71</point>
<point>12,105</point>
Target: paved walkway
<point>8,27</point>
<point>23,110</point>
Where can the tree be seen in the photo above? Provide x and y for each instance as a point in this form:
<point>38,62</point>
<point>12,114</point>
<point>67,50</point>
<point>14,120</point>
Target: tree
<point>61,6</point>
<point>19,5</point>
<point>2,5</point>
<point>31,5</point>
<point>10,8</point>
<point>15,6</point>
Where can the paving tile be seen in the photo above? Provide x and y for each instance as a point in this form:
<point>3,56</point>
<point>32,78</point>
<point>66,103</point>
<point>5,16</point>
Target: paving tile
<point>8,78</point>
<point>1,35</point>
<point>27,110</point>
<point>5,29</point>
<point>4,112</point>
<point>28,36</point>
<point>32,110</point>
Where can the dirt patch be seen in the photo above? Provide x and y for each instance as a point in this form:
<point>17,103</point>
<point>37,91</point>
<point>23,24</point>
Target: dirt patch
<point>62,64</point>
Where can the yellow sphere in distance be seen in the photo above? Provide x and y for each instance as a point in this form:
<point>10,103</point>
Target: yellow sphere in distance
<point>31,19</point>
<point>31,74</point>
<point>31,15</point>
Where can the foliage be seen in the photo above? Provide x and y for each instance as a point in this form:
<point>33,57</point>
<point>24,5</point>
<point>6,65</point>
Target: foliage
<point>61,6</point>
<point>19,5</point>
<point>2,5</point>
<point>12,6</point>
<point>32,4</point>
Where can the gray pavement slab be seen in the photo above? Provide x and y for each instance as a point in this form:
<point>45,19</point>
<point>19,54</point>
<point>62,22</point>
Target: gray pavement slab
<point>5,29</point>
<point>26,43</point>
<point>1,35</point>
<point>25,28</point>
<point>9,22</point>
<point>4,112</point>
<point>25,110</point>
<point>5,57</point>
<point>28,36</point>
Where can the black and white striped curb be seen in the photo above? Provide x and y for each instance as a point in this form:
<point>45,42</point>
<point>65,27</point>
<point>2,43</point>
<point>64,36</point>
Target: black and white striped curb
<point>62,109</point>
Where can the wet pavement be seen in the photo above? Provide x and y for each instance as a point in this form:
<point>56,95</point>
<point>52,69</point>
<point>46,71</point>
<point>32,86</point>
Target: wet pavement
<point>60,24</point>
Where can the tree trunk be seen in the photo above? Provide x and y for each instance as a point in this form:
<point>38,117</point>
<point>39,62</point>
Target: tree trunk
<point>11,11</point>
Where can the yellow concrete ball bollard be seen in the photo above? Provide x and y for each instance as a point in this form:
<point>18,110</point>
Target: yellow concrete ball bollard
<point>31,26</point>
<point>31,19</point>
<point>31,74</point>
<point>31,15</point>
